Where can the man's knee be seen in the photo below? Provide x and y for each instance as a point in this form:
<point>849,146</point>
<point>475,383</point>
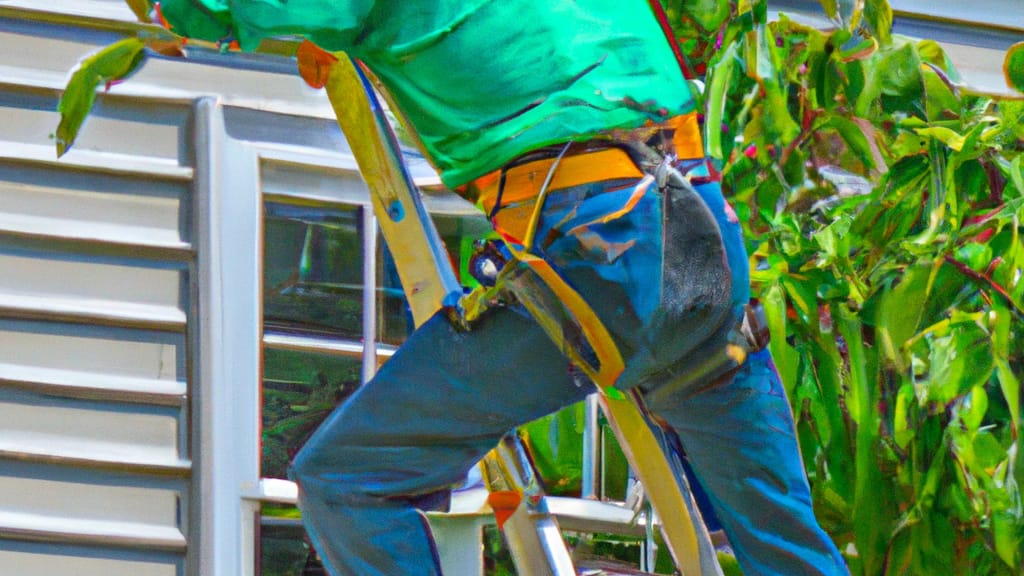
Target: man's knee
<point>313,465</point>
<point>302,468</point>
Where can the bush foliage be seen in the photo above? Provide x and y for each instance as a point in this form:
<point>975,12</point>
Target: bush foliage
<point>882,200</point>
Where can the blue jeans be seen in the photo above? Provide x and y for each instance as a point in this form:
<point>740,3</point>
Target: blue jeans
<point>663,290</point>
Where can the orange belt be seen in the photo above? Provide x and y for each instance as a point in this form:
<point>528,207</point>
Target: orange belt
<point>524,181</point>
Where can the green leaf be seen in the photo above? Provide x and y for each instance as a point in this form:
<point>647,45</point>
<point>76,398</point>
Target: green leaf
<point>932,52</point>
<point>721,76</point>
<point>1013,67</point>
<point>555,446</point>
<point>859,51</point>
<point>111,63</point>
<point>710,14</point>
<point>1010,385</point>
<point>834,240</point>
<point>856,138</point>
<point>988,452</point>
<point>785,356</point>
<point>831,8</point>
<point>945,135</point>
<point>976,256</point>
<point>878,15</point>
<point>1007,534</point>
<point>802,295</point>
<point>899,311</point>
<point>895,73</point>
<point>140,8</point>
<point>972,412</point>
<point>1017,174</point>
<point>941,102</point>
<point>827,367</point>
<point>903,431</point>
<point>872,523</point>
<point>901,73</point>
<point>780,128</point>
<point>958,362</point>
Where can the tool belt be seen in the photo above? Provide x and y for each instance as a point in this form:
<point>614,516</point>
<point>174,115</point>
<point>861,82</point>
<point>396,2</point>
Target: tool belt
<point>513,197</point>
<point>507,194</point>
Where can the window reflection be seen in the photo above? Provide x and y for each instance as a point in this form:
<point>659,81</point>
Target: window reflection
<point>313,287</point>
<point>299,390</point>
<point>313,269</point>
<point>394,317</point>
<point>284,547</point>
<point>458,233</point>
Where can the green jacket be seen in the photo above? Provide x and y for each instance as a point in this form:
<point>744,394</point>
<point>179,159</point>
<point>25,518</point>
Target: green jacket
<point>481,81</point>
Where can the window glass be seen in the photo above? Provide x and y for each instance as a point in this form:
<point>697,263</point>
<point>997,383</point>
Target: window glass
<point>313,269</point>
<point>313,283</point>
<point>284,547</point>
<point>394,317</point>
<point>458,233</point>
<point>299,390</point>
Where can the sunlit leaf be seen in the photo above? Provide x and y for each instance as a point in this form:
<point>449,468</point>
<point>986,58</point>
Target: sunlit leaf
<point>111,63</point>
<point>555,446</point>
<point>721,77</point>
<point>976,256</point>
<point>1017,174</point>
<point>945,135</point>
<point>1013,67</point>
<point>708,13</point>
<point>140,8</point>
<point>988,452</point>
<point>830,7</point>
<point>1010,385</point>
<point>878,15</point>
<point>932,52</point>
<point>803,296</point>
<point>974,407</point>
<point>902,428</point>
<point>1007,533</point>
<point>785,357</point>
<point>940,101</point>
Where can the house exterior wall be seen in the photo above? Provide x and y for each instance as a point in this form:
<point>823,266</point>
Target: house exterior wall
<point>130,296</point>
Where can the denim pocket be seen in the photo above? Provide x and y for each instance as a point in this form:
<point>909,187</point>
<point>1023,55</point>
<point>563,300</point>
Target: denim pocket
<point>606,243</point>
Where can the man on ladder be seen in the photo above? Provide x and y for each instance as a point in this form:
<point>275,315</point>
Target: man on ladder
<point>563,121</point>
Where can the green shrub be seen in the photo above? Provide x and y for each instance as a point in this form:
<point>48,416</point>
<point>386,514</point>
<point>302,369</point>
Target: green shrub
<point>882,200</point>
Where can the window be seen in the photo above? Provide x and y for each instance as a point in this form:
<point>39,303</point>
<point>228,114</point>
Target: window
<point>333,310</point>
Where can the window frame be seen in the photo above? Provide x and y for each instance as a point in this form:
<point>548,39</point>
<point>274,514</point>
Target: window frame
<point>234,179</point>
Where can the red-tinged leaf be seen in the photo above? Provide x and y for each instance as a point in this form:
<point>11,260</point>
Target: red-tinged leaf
<point>173,48</point>
<point>1013,66</point>
<point>314,63</point>
<point>860,51</point>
